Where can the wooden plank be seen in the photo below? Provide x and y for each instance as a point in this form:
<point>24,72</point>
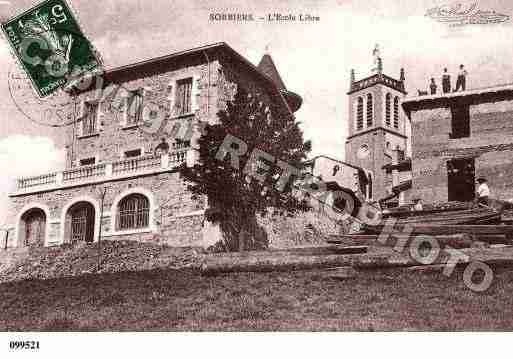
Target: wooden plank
<point>461,240</point>
<point>427,268</point>
<point>464,220</point>
<point>215,265</point>
<point>349,249</point>
<point>448,229</point>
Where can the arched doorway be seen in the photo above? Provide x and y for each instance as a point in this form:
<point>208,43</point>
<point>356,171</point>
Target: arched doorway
<point>80,221</point>
<point>33,228</point>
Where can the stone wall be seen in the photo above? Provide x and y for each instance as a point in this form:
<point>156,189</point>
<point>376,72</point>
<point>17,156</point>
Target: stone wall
<point>176,215</point>
<point>303,229</point>
<point>114,137</point>
<point>375,137</point>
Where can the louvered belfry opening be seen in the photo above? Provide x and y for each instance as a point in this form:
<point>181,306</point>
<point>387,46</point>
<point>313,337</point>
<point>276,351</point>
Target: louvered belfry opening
<point>359,114</point>
<point>82,222</point>
<point>133,212</point>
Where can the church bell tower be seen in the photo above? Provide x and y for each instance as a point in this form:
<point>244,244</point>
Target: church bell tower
<point>376,123</point>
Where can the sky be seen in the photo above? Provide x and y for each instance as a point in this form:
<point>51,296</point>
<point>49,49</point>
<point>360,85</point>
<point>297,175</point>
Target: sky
<point>314,58</point>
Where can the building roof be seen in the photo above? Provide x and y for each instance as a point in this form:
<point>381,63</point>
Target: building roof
<point>197,55</point>
<point>472,96</point>
<point>268,67</point>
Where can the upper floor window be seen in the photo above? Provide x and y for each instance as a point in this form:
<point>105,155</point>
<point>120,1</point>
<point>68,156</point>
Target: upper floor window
<point>359,114</point>
<point>370,110</point>
<point>134,108</point>
<point>460,121</point>
<point>133,212</point>
<point>89,125</point>
<point>396,112</point>
<point>183,96</point>
<point>388,110</point>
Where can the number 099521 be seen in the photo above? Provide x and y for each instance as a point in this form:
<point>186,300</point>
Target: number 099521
<point>24,345</point>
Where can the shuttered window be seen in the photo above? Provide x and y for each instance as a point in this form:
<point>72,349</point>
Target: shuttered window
<point>90,119</point>
<point>135,107</point>
<point>183,96</point>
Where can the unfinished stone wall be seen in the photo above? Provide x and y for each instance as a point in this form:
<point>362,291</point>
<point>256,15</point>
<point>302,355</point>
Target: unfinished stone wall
<point>490,144</point>
<point>430,138</point>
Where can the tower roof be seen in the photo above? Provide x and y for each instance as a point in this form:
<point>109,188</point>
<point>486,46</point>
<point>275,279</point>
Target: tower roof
<point>379,78</point>
<point>268,67</point>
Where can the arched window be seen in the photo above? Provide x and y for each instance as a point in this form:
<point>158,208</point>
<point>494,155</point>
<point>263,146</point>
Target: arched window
<point>133,212</point>
<point>359,114</point>
<point>396,112</point>
<point>388,110</point>
<point>370,110</point>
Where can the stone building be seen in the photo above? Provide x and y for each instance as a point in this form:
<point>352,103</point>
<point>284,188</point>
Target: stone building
<point>458,137</point>
<point>119,181</point>
<point>377,126</point>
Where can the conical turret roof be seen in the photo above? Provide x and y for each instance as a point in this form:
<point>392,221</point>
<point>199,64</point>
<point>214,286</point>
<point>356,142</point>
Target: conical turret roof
<point>268,67</point>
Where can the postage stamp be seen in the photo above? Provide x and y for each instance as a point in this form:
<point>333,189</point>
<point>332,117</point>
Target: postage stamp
<point>50,45</point>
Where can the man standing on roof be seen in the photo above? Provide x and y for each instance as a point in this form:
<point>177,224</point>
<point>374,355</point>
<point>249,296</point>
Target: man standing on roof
<point>462,79</point>
<point>483,192</point>
<point>433,86</point>
<point>446,81</point>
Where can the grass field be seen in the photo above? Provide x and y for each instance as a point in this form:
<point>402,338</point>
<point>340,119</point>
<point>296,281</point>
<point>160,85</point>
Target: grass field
<point>174,300</point>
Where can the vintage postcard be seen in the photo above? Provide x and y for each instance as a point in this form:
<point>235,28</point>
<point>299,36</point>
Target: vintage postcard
<point>254,166</point>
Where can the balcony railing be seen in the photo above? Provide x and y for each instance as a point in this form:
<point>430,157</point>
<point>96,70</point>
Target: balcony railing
<point>80,173</point>
<point>105,171</point>
<point>136,164</point>
<point>42,180</point>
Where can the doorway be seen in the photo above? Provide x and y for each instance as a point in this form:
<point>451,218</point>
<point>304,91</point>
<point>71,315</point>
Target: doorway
<point>461,179</point>
<point>34,227</point>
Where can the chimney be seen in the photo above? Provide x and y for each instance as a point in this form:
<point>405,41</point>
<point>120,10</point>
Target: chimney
<point>402,78</point>
<point>352,81</point>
